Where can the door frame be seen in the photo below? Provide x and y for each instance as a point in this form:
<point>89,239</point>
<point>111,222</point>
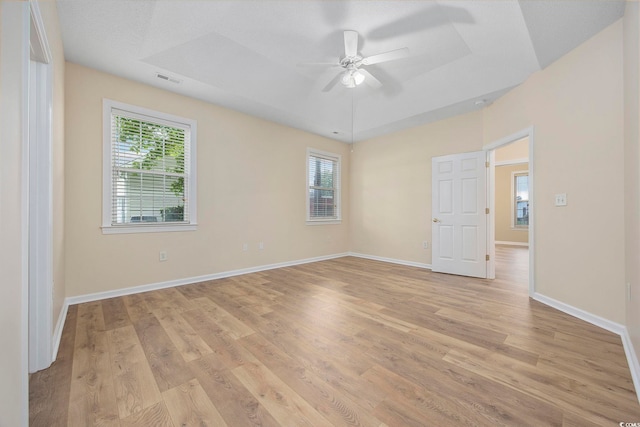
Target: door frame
<point>491,199</point>
<point>40,195</point>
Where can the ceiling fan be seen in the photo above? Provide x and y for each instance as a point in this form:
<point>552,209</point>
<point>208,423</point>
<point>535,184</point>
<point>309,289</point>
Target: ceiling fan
<point>352,63</point>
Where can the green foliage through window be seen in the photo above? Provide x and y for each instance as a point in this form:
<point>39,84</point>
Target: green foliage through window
<point>148,170</point>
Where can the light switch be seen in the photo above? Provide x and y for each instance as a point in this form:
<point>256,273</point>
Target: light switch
<point>561,199</point>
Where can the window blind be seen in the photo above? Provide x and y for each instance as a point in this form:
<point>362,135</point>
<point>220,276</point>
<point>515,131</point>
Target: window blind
<point>323,187</point>
<point>150,175</point>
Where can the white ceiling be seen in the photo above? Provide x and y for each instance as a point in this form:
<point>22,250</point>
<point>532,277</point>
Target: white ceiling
<point>244,54</point>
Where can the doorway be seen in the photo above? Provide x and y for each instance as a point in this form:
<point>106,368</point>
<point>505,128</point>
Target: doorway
<point>510,196</point>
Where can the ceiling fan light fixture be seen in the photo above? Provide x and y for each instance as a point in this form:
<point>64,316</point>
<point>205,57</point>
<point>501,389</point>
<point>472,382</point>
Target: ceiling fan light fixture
<point>351,78</point>
<point>358,77</point>
<point>346,78</point>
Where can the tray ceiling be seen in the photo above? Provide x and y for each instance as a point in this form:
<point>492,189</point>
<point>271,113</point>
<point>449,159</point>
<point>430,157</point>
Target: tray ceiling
<point>244,55</point>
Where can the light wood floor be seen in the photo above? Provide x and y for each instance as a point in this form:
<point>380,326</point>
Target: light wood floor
<point>341,342</point>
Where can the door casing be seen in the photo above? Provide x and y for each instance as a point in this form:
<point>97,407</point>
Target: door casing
<point>40,196</point>
<point>491,199</point>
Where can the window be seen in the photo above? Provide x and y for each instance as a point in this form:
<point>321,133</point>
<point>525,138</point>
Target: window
<point>149,170</point>
<point>520,217</point>
<point>323,183</point>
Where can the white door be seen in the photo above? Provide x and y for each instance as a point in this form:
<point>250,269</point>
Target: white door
<point>459,216</point>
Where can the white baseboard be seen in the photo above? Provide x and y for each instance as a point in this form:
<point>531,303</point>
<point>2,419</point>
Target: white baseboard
<point>632,359</point>
<point>57,332</point>
<point>189,280</point>
<point>616,328</point>
<point>502,242</point>
<point>610,326</point>
<point>391,260</point>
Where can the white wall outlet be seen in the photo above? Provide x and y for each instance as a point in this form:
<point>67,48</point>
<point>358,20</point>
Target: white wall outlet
<point>245,247</point>
<point>163,256</point>
<point>425,245</point>
<point>561,199</point>
<point>261,245</point>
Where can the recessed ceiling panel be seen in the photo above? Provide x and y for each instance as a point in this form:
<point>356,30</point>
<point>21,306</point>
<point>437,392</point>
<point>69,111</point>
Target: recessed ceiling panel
<point>220,62</point>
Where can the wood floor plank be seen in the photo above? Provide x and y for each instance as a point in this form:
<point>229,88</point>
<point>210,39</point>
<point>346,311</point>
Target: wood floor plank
<point>188,405</point>
<point>153,416</point>
<point>565,393</point>
<point>156,299</point>
<point>190,345</point>
<point>486,401</point>
<point>261,291</point>
<point>92,398</point>
<point>585,370</point>
<point>136,307</point>
<point>284,404</point>
<point>347,341</point>
<point>178,301</point>
<point>329,400</point>
<point>547,346</point>
<point>573,420</point>
<point>223,346</point>
<point>234,327</point>
<point>376,315</point>
<point>339,366</point>
<point>234,402</point>
<point>437,409</point>
<point>115,313</point>
<point>319,350</point>
<point>135,386</point>
<point>197,290</point>
<point>49,389</point>
<point>168,367</point>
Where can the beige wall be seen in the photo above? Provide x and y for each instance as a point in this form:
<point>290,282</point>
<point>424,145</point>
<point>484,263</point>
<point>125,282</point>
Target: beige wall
<point>49,14</point>
<point>251,189</point>
<point>632,166</point>
<point>517,150</point>
<point>576,107</point>
<point>391,186</point>
<point>13,261</point>
<point>504,204</point>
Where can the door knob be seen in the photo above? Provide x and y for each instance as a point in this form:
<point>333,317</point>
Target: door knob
<point>436,220</point>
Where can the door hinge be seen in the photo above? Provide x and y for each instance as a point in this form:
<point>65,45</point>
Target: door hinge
<point>486,210</point>
<point>487,257</point>
<point>486,164</point>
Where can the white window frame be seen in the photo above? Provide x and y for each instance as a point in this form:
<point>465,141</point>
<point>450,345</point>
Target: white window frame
<point>337,187</point>
<point>514,226</point>
<point>108,106</point>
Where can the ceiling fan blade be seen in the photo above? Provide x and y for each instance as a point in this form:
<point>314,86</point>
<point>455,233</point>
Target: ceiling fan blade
<point>332,83</point>
<point>318,64</point>
<point>369,79</point>
<point>350,43</point>
<point>386,56</point>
